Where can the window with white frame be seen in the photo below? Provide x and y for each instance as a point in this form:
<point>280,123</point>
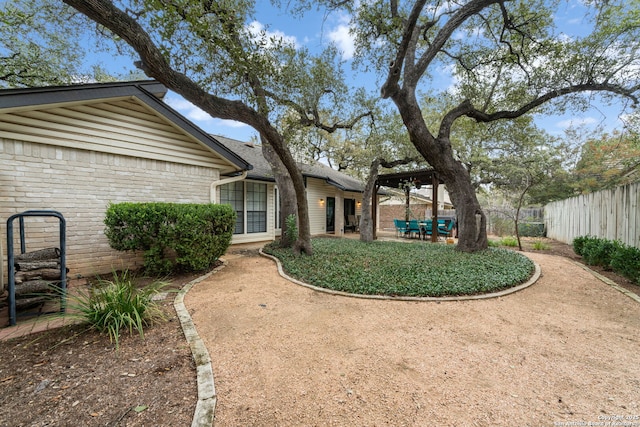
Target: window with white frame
<point>256,207</point>
<point>277,218</point>
<point>249,200</point>
<point>233,194</point>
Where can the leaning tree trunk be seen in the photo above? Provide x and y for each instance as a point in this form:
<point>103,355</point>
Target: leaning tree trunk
<point>366,220</point>
<point>155,65</point>
<point>269,133</point>
<point>529,183</point>
<point>286,190</point>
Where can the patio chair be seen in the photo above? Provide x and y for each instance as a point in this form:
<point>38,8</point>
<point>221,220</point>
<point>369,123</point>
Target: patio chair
<point>445,228</point>
<point>401,227</point>
<point>351,224</point>
<point>414,227</point>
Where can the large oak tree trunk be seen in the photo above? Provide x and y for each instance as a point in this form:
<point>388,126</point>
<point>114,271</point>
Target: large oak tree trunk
<point>287,192</point>
<point>267,132</point>
<point>472,222</point>
<point>472,232</point>
<point>155,65</point>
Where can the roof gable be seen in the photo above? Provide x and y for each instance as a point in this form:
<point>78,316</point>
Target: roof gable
<point>117,100</point>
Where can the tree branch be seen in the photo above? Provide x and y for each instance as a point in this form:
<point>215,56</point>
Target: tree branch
<point>153,63</point>
<point>315,120</point>
<point>466,108</point>
<point>445,33</point>
<point>391,85</point>
<point>393,163</point>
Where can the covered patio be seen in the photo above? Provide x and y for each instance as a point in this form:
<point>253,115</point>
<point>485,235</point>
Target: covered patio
<point>405,181</point>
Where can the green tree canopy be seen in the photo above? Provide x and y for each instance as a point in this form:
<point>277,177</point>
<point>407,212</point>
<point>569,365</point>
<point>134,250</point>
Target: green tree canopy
<point>218,58</point>
<point>34,51</point>
<point>508,59</point>
<point>608,161</point>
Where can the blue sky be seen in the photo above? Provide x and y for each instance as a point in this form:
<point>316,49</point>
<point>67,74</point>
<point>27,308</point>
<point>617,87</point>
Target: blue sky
<point>315,30</point>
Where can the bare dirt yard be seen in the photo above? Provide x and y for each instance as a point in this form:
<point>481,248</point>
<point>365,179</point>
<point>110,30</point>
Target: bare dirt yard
<point>71,376</point>
<point>564,350</point>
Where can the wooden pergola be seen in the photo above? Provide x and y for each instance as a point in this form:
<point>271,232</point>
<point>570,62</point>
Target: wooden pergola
<point>416,179</point>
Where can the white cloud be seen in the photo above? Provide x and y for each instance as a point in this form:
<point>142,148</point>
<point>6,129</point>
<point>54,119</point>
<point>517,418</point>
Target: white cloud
<point>466,33</point>
<point>576,122</point>
<point>231,123</point>
<point>187,109</point>
<point>343,40</point>
<point>200,117</point>
<point>258,30</point>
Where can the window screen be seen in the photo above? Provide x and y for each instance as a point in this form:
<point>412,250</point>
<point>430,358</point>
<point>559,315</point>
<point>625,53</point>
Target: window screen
<point>233,194</point>
<point>256,207</point>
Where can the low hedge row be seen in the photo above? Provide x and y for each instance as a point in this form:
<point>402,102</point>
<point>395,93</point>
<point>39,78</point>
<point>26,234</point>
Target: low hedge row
<point>190,237</point>
<point>610,254</point>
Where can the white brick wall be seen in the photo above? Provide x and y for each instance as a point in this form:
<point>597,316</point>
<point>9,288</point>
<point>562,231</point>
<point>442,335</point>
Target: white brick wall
<point>80,184</point>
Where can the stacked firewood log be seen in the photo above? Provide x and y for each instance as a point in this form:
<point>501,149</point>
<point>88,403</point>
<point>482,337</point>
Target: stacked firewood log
<point>36,275</point>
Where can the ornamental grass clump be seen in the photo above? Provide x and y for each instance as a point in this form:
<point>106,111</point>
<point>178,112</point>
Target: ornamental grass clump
<point>509,241</point>
<point>540,245</point>
<point>117,305</point>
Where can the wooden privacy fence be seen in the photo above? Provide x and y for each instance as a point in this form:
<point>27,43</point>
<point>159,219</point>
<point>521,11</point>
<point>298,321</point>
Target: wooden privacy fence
<point>608,214</point>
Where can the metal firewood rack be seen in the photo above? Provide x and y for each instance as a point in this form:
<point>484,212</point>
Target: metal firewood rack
<point>11,256</point>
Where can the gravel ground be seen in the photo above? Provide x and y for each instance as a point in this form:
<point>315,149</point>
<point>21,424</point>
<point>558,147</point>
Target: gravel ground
<point>562,351</point>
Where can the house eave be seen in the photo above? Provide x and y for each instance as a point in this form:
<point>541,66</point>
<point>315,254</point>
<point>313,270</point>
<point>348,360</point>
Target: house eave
<point>148,92</point>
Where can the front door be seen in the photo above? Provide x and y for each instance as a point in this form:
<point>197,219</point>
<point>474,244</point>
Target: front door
<point>331,214</point>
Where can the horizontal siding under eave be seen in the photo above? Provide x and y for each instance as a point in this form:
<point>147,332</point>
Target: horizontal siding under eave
<point>316,190</point>
<point>149,137</point>
<point>132,121</point>
<point>109,128</point>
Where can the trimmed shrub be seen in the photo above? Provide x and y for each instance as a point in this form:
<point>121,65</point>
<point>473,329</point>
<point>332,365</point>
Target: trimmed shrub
<point>610,254</point>
<point>599,251</point>
<point>626,261</point>
<point>202,234</point>
<point>190,237</point>
<point>579,242</point>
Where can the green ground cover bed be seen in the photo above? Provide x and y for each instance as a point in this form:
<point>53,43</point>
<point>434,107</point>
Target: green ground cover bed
<point>404,269</point>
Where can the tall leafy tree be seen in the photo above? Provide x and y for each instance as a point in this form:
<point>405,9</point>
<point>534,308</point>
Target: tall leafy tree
<point>361,150</point>
<point>388,148</point>
<point>608,161</point>
<point>30,53</point>
<point>35,52</point>
<point>206,52</point>
<point>508,60</point>
<point>528,163</point>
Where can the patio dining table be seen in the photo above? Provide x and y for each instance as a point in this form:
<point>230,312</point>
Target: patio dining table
<point>426,229</point>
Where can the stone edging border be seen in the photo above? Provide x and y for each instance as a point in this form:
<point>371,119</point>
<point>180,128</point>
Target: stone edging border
<point>609,282</point>
<point>533,279</point>
<point>206,405</point>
